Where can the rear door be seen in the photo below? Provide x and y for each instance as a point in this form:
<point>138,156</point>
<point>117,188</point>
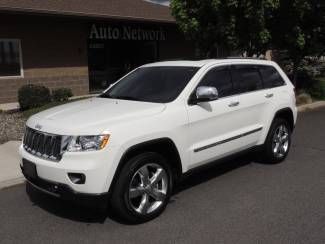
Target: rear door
<point>275,93</point>
<point>253,102</point>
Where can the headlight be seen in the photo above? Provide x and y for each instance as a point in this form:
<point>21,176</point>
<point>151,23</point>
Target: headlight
<point>87,143</point>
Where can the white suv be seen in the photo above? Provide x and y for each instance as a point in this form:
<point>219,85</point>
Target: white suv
<point>129,146</point>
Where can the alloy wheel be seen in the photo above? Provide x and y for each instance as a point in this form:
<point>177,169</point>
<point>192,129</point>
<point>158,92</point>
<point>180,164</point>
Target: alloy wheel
<point>280,142</point>
<point>148,188</point>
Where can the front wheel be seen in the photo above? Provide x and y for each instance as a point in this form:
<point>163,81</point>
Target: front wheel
<point>143,188</point>
<point>278,141</point>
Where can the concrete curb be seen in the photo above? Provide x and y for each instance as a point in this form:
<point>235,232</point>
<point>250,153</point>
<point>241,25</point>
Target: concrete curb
<point>311,106</point>
<point>12,182</point>
<point>10,173</point>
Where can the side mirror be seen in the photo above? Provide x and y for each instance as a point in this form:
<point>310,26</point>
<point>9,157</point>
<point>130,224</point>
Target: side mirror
<point>204,94</point>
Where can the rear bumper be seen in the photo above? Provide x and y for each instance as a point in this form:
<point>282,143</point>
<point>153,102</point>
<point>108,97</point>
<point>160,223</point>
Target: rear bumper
<point>65,192</point>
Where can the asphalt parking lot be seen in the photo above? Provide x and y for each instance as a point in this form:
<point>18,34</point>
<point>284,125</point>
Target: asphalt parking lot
<point>239,201</point>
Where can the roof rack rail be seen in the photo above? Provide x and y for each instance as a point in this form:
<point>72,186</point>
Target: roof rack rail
<point>236,57</point>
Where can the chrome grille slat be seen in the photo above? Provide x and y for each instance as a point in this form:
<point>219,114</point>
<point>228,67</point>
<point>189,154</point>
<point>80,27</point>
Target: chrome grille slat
<point>41,144</point>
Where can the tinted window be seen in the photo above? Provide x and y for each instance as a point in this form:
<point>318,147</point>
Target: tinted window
<point>246,78</point>
<point>152,84</point>
<point>271,77</point>
<point>10,58</point>
<point>219,78</point>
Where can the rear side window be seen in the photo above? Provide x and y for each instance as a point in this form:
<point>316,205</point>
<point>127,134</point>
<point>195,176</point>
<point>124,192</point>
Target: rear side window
<point>219,78</point>
<point>246,78</point>
<point>271,77</point>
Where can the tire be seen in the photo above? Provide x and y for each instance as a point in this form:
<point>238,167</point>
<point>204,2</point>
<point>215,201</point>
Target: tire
<point>271,154</point>
<point>147,199</point>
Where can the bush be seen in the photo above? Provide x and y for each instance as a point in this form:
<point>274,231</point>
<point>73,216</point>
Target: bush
<point>33,96</point>
<point>61,94</point>
<point>317,90</point>
<point>303,98</point>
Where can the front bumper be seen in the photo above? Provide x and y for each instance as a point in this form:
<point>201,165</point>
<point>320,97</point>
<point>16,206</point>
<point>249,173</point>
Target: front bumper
<point>65,192</point>
<point>97,166</point>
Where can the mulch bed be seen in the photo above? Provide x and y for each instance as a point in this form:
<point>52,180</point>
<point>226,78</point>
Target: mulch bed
<point>11,126</point>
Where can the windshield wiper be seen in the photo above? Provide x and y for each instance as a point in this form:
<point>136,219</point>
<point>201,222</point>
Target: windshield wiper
<point>126,98</point>
<point>104,95</point>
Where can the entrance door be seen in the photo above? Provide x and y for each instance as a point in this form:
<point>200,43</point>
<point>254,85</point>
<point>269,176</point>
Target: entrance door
<point>110,60</point>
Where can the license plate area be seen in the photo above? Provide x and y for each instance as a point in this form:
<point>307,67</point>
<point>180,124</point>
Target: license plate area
<point>29,169</point>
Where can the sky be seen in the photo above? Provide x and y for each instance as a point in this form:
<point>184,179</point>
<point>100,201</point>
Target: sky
<point>162,2</point>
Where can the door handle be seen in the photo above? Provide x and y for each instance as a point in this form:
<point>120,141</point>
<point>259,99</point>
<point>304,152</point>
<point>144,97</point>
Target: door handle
<point>269,95</point>
<point>233,104</point>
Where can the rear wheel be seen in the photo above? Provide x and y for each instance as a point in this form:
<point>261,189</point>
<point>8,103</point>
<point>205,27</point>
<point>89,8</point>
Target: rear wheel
<point>143,188</point>
<point>278,141</point>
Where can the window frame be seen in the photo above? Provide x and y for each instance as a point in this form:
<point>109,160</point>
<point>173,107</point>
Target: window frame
<point>225,67</point>
<point>236,88</point>
<point>260,67</point>
<point>229,67</point>
<point>20,59</point>
<point>218,66</point>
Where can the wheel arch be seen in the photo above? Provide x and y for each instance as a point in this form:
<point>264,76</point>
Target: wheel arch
<point>164,146</point>
<point>287,114</point>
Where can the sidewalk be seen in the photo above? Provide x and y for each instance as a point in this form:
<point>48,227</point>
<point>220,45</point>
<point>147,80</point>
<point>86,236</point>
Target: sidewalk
<point>10,173</point>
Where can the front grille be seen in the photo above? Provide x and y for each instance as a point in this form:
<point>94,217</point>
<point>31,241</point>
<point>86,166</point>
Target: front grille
<point>42,144</point>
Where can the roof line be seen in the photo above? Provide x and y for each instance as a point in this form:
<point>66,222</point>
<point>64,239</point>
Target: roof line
<point>82,14</point>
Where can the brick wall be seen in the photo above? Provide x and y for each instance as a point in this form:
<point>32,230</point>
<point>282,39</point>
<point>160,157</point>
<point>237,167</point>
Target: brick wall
<point>54,52</point>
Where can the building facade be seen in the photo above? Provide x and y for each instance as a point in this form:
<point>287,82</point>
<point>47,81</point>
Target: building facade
<point>83,45</point>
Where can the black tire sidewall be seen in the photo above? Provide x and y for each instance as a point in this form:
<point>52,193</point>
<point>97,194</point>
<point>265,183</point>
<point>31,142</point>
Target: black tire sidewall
<point>268,150</point>
<point>120,193</point>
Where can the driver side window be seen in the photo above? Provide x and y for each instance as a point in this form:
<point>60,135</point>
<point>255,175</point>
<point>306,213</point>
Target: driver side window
<point>219,78</point>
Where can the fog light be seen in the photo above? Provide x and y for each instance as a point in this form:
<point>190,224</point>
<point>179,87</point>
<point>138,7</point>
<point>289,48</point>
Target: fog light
<point>77,178</point>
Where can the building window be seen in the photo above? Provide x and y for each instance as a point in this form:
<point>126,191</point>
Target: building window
<point>10,58</point>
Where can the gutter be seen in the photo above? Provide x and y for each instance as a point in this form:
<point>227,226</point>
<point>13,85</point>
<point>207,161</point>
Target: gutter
<point>82,14</point>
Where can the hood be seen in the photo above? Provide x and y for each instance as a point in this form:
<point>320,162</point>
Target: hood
<point>91,116</point>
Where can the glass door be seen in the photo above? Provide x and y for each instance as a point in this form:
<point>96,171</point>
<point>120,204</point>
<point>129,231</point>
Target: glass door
<point>110,60</point>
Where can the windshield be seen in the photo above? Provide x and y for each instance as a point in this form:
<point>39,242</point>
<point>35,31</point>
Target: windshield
<point>152,84</point>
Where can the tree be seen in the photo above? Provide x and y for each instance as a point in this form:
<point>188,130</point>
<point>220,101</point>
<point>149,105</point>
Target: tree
<point>232,25</point>
<point>298,27</point>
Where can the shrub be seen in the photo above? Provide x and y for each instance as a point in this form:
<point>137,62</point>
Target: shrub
<point>317,90</point>
<point>303,98</point>
<point>33,96</point>
<point>61,94</point>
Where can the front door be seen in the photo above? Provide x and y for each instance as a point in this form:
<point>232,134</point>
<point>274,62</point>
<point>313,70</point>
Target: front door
<point>213,125</point>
